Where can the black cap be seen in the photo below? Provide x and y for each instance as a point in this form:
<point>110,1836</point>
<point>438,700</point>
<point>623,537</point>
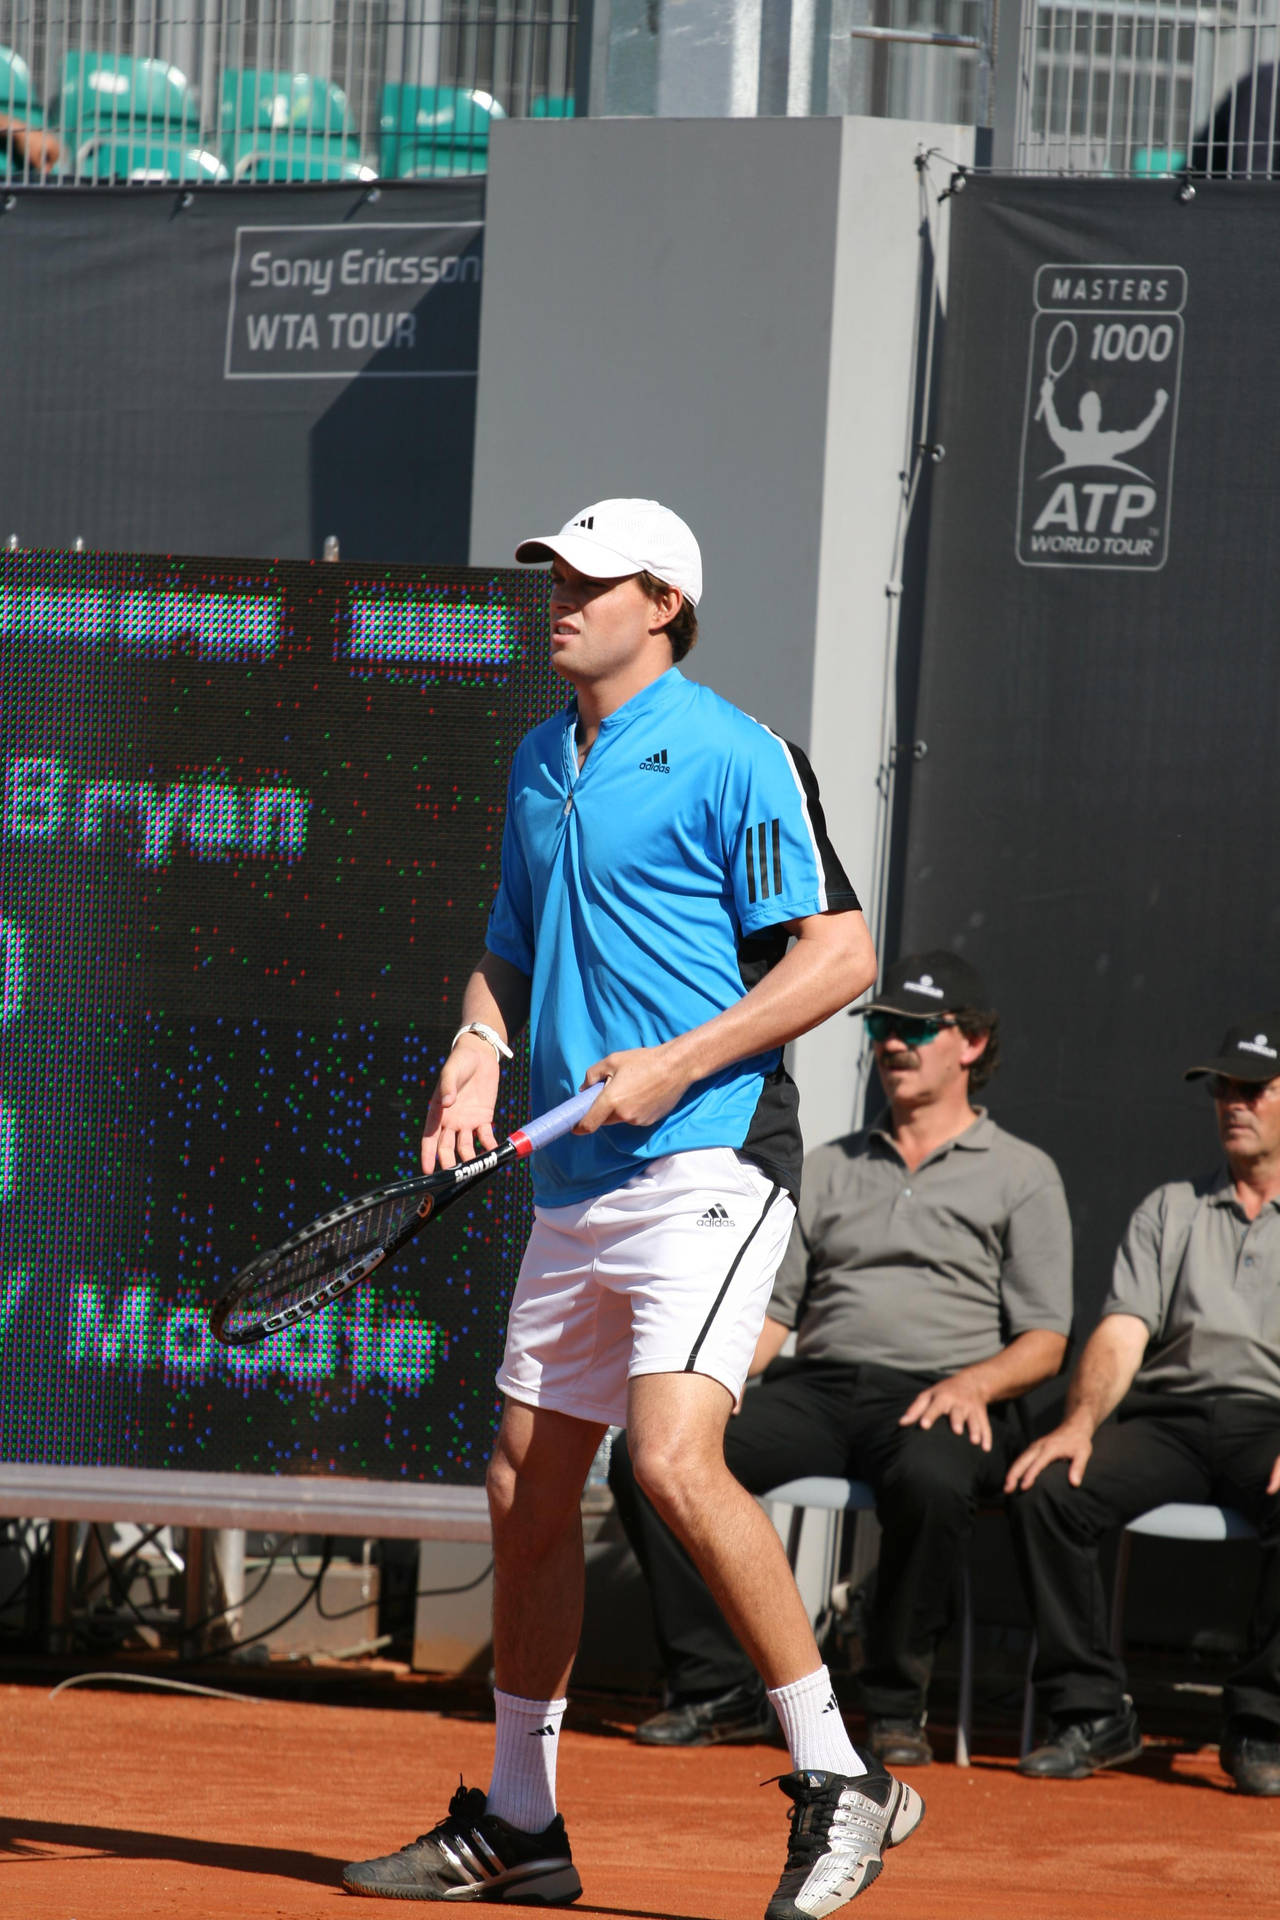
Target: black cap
<point>1250,1051</point>
<point>928,983</point>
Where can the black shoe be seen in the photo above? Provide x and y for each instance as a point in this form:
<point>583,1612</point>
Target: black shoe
<point>737,1718</point>
<point>472,1855</point>
<point>899,1743</point>
<point>1078,1745</point>
<point>841,1829</point>
<point>1250,1753</point>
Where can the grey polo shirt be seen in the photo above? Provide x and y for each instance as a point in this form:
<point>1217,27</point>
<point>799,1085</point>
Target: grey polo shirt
<point>929,1270</point>
<point>1205,1281</point>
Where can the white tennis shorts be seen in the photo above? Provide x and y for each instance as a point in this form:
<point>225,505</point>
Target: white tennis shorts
<point>670,1273</point>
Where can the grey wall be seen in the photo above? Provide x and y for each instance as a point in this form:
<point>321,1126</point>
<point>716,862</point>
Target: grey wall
<point>721,314</point>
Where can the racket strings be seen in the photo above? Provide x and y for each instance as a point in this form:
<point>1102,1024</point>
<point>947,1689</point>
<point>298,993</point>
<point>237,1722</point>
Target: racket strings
<point>304,1270</point>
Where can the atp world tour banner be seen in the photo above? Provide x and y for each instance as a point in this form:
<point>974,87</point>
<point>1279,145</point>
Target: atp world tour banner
<point>1094,820</point>
<point>1103,366</point>
<point>242,370</point>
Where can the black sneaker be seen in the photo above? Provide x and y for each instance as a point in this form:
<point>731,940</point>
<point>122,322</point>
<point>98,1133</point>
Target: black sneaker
<point>900,1742</point>
<point>738,1717</point>
<point>840,1831</point>
<point>1250,1753</point>
<point>1078,1745</point>
<point>472,1855</point>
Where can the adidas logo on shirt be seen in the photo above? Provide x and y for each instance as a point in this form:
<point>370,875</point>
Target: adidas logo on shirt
<point>656,763</point>
<point>715,1217</point>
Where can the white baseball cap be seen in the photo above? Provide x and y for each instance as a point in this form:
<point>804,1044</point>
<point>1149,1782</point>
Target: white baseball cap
<point>617,537</point>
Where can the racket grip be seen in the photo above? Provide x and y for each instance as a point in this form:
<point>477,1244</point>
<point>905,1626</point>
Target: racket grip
<point>556,1123</point>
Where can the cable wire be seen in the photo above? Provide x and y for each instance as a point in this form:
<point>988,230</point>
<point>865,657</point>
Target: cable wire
<point>150,1680</point>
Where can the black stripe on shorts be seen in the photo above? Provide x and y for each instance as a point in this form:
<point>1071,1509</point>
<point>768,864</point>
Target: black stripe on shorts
<point>689,1365</point>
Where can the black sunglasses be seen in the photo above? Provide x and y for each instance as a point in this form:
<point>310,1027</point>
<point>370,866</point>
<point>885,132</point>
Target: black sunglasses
<point>913,1029</point>
<point>1222,1088</point>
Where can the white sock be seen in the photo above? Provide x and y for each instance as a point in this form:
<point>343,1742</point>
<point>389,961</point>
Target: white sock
<point>813,1726</point>
<point>523,1788</point>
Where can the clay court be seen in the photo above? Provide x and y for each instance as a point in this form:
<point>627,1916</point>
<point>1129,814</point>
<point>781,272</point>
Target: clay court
<point>122,1805</point>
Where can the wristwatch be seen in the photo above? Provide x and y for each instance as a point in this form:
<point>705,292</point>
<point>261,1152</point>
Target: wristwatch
<point>499,1045</point>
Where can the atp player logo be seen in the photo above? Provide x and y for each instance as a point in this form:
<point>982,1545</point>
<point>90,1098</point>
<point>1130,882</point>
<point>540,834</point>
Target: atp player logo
<point>1099,424</point>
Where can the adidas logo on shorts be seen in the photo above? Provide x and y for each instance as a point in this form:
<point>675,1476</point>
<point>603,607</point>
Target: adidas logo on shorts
<point>715,1217</point>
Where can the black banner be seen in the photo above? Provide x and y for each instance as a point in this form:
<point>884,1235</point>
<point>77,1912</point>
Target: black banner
<point>250,820</point>
<point>246,370</point>
<point>1093,819</point>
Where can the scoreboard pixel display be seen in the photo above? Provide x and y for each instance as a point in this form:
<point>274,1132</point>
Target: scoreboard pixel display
<point>250,827</point>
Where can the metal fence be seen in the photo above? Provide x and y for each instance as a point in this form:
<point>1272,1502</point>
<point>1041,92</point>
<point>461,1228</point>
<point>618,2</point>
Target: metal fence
<point>1148,87</point>
<point>918,60</point>
<point>272,89</point>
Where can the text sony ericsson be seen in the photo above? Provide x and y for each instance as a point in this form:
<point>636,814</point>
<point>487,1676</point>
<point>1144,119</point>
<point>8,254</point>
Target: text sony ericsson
<point>357,268</point>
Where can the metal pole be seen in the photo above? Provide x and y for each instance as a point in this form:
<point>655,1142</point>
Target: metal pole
<point>193,1593</point>
<point>58,1634</point>
<point>228,1543</point>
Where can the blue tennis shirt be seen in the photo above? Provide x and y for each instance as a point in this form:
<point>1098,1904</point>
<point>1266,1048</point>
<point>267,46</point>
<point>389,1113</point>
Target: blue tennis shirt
<point>646,894</point>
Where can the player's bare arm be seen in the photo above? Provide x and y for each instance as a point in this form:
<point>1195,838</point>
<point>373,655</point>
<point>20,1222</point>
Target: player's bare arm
<point>459,1122</point>
<point>830,962</point>
<point>1111,1358</point>
<point>964,1397</point>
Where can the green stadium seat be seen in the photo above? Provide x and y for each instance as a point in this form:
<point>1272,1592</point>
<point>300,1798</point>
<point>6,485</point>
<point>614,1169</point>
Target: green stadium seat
<point>127,118</point>
<point>428,132</point>
<point>1159,161</point>
<point>287,126</point>
<point>102,158</point>
<point>551,106</point>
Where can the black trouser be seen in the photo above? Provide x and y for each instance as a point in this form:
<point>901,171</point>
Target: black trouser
<point>1160,1447</point>
<point>809,1418</point>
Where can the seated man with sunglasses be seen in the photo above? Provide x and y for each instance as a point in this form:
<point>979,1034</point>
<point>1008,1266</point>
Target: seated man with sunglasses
<point>1187,1356</point>
<point>928,1281</point>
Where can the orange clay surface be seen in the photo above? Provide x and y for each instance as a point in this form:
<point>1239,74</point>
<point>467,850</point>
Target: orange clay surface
<point>122,1805</point>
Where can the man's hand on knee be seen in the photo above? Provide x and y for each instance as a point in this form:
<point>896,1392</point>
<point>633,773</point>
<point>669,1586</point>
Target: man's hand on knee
<point>958,1400</point>
<point>1069,1442</point>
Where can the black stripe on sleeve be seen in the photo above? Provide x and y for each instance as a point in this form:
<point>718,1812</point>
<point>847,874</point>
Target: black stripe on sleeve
<point>764,861</point>
<point>777,856</point>
<point>839,888</point>
<point>751,868</point>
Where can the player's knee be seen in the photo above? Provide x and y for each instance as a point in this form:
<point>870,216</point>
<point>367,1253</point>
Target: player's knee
<point>500,1482</point>
<point>669,1472</point>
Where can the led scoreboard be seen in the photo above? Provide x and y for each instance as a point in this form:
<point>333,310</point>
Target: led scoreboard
<point>250,827</point>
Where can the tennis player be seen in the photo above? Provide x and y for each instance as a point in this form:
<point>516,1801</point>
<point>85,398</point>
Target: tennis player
<point>670,914</point>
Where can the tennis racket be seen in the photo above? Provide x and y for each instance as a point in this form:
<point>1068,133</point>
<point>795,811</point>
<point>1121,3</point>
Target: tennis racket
<point>1058,355</point>
<point>321,1262</point>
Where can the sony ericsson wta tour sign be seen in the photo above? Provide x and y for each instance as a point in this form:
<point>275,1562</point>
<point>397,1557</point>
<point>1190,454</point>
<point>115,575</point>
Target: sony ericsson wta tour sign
<point>389,300</point>
<point>1101,416</point>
